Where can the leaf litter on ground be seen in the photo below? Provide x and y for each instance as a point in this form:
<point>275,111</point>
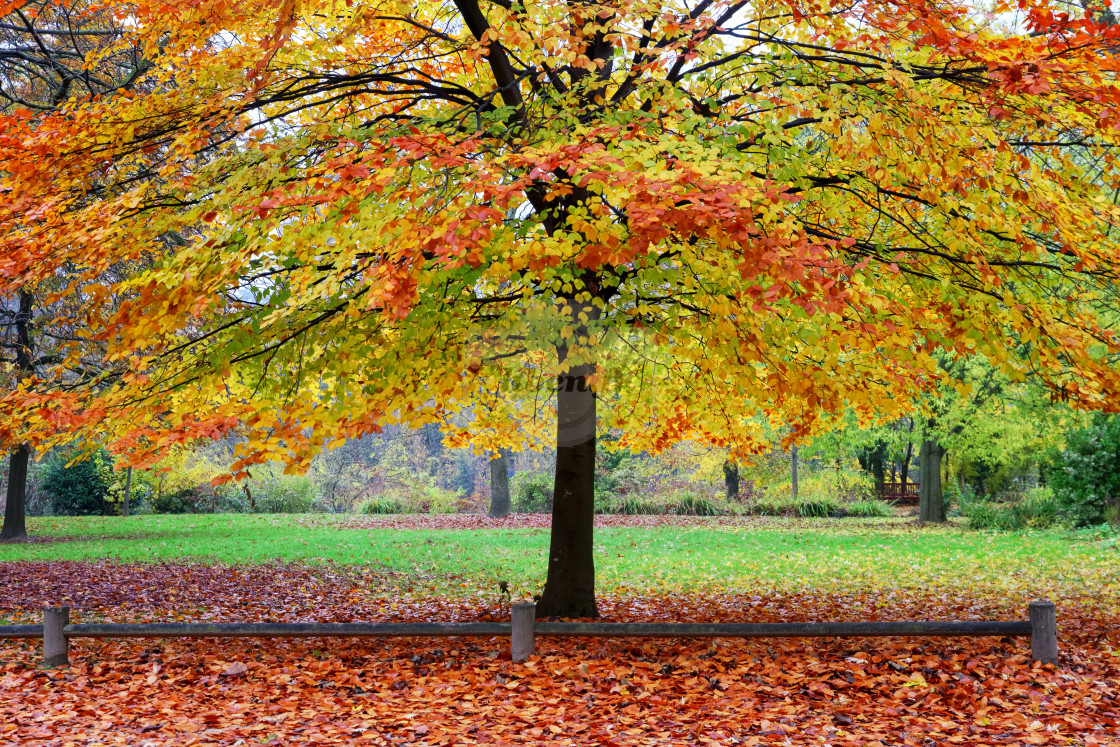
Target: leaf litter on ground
<point>453,691</point>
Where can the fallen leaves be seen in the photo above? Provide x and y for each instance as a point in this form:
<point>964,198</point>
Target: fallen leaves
<point>445,691</point>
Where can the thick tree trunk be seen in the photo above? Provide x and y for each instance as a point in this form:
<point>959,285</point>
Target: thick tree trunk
<point>15,510</point>
<point>15,526</point>
<point>931,503</point>
<point>793,473</point>
<point>569,590</point>
<point>731,478</point>
<point>499,484</point>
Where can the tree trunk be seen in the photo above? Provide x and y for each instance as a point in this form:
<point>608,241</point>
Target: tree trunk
<point>793,471</point>
<point>906,461</point>
<point>15,526</point>
<point>499,484</point>
<point>127,489</point>
<point>931,504</point>
<point>569,590</point>
<point>731,478</point>
<point>15,510</point>
<point>877,470</point>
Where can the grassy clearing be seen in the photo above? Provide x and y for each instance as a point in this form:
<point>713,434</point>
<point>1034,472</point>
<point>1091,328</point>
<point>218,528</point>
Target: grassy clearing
<point>850,555</point>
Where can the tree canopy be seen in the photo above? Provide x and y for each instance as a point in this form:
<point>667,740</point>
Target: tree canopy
<point>347,214</point>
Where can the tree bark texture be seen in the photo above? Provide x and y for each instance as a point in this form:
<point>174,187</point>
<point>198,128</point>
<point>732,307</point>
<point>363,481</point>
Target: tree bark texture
<point>15,511</point>
<point>499,484</point>
<point>931,503</point>
<point>569,590</point>
<point>731,478</point>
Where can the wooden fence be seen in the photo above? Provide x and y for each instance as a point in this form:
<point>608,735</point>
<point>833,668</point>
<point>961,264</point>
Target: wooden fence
<point>523,628</point>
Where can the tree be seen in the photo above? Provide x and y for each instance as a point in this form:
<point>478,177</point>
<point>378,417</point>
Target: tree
<point>1085,472</point>
<point>731,478</point>
<point>499,483</point>
<point>669,218</point>
<point>44,48</point>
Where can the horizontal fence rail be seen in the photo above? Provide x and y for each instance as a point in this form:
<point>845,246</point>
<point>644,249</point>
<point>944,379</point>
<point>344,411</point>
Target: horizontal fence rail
<point>784,630</point>
<point>522,630</point>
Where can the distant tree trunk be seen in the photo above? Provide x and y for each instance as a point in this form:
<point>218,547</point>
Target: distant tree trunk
<point>569,590</point>
<point>731,478</point>
<point>931,503</point>
<point>793,466</point>
<point>15,510</point>
<point>909,453</point>
<point>877,469</point>
<point>15,526</point>
<point>499,484</point>
<point>871,460</point>
<point>127,489</point>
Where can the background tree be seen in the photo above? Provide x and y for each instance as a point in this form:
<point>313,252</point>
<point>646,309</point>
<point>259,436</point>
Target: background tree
<point>499,483</point>
<point>52,54</point>
<point>668,218</point>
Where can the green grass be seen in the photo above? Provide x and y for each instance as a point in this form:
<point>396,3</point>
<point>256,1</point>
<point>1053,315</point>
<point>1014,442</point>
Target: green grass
<point>852,554</point>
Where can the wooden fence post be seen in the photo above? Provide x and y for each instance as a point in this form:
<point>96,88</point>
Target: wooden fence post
<point>522,641</point>
<point>55,646</point>
<point>1044,631</point>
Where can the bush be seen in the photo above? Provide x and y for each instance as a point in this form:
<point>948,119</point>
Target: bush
<point>690,504</point>
<point>627,505</point>
<point>185,501</point>
<point>418,499</point>
<point>79,489</point>
<point>868,509</point>
<point>284,494</point>
<point>1038,508</point>
<point>985,514</point>
<point>778,505</point>
<point>1085,475</point>
<point>820,507</point>
<point>374,506</point>
<point>532,494</point>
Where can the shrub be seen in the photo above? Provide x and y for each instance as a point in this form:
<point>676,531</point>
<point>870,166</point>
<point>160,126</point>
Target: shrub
<point>418,499</point>
<point>690,504</point>
<point>183,501</point>
<point>1085,475</point>
<point>627,505</point>
<point>436,500</point>
<point>1038,508</point>
<point>284,494</point>
<point>785,505</point>
<point>79,489</point>
<point>820,507</point>
<point>868,509</point>
<point>375,506</point>
<point>985,514</point>
<point>532,494</point>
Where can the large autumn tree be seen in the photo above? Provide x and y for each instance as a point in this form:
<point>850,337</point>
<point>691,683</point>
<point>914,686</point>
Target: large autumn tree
<point>546,217</point>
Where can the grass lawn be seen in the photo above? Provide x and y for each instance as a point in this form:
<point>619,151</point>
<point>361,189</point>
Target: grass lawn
<point>786,554</point>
